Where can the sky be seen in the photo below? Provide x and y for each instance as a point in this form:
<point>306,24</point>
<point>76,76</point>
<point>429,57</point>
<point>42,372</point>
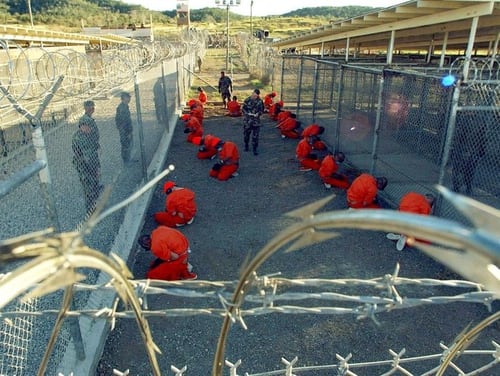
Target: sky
<point>262,7</point>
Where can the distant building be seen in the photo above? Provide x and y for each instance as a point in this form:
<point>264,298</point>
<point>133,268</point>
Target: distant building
<point>183,13</point>
<point>131,31</point>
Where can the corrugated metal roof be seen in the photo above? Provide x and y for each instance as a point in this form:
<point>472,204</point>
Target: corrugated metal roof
<point>415,24</point>
<point>26,35</point>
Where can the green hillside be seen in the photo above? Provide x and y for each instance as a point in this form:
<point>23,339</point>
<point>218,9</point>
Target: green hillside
<point>70,15</point>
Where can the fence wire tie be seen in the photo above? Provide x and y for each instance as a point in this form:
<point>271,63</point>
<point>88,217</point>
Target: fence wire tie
<point>389,281</point>
<point>268,281</point>
<point>233,368</point>
<point>367,311</point>
<point>177,371</point>
<point>141,292</point>
<point>236,316</point>
<point>289,366</point>
<point>396,358</point>
<point>109,312</point>
<point>120,373</point>
<point>343,367</point>
<point>445,354</point>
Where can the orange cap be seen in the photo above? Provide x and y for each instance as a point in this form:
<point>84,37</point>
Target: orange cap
<point>168,185</point>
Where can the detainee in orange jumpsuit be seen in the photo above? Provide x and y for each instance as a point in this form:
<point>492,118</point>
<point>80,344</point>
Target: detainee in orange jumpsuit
<point>193,127</point>
<point>269,100</point>
<point>171,248</point>
<point>328,171</point>
<point>275,109</point>
<point>314,131</point>
<point>283,115</point>
<point>415,203</point>
<point>208,146</point>
<point>229,160</point>
<point>180,206</point>
<point>362,193</point>
<point>196,109</point>
<point>290,127</point>
<point>304,153</point>
<point>202,96</point>
<point>234,107</point>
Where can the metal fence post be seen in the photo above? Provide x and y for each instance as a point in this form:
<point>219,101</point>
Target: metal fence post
<point>282,75</point>
<point>315,90</point>
<point>450,131</point>
<point>332,89</point>
<point>181,89</point>
<point>299,84</point>
<point>40,148</point>
<point>165,97</point>
<point>377,123</point>
<point>140,126</point>
<point>340,88</point>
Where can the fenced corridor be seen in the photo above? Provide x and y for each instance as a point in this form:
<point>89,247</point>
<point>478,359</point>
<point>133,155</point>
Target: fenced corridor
<point>285,315</point>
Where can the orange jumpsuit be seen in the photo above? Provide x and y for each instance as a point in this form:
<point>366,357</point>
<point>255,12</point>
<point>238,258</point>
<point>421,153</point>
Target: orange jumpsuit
<point>313,130</point>
<point>193,128</point>
<point>268,101</point>
<point>303,154</point>
<point>233,108</point>
<point>180,208</point>
<point>208,150</point>
<point>415,203</point>
<point>283,115</point>
<point>164,241</point>
<point>362,193</point>
<point>275,109</point>
<point>289,128</point>
<point>328,173</point>
<point>196,109</point>
<point>202,97</point>
<point>229,158</point>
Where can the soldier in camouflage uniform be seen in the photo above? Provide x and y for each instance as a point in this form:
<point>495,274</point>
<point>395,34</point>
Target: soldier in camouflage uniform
<point>123,122</point>
<point>252,109</point>
<point>225,88</point>
<point>85,145</point>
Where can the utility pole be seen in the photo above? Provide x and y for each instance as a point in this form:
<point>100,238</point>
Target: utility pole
<point>227,4</point>
<point>251,20</point>
<point>28,3</point>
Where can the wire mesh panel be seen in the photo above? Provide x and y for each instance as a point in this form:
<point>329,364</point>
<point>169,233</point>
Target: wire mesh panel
<point>357,114</point>
<point>306,90</point>
<point>91,162</point>
<point>290,81</point>
<point>474,158</point>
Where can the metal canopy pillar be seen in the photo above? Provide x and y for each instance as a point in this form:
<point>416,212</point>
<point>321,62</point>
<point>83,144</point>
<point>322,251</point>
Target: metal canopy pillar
<point>470,46</point>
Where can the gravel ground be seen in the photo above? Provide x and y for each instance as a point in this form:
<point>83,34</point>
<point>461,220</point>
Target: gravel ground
<point>235,220</point>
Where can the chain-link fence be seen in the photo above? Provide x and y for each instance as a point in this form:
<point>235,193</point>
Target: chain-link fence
<point>59,161</point>
<point>401,122</point>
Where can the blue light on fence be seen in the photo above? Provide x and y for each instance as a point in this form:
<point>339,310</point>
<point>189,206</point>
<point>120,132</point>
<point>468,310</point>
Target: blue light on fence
<point>448,80</point>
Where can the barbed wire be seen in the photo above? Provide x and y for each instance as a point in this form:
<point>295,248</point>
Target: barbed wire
<point>65,253</point>
<point>267,297</point>
<point>28,74</point>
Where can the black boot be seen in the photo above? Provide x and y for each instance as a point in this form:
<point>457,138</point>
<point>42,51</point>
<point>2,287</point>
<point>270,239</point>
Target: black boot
<point>255,152</point>
<point>246,147</point>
